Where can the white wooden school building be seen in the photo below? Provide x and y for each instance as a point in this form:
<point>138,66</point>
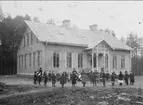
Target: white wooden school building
<point>62,48</point>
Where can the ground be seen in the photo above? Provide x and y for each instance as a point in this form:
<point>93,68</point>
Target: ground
<point>21,91</point>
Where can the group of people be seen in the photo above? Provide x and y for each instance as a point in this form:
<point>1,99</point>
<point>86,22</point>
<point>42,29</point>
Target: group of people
<point>94,77</point>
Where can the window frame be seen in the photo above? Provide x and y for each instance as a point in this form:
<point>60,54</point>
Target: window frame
<point>25,60</point>
<point>39,58</point>
<point>106,60</point>
<point>34,59</point>
<point>123,58</point>
<point>69,60</point>
<point>114,62</point>
<point>31,39</point>
<point>28,39</point>
<point>56,60</point>
<point>80,60</point>
<point>30,59</point>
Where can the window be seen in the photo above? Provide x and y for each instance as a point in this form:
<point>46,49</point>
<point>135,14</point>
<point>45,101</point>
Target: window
<point>114,62</point>
<point>80,60</point>
<point>34,59</point>
<point>31,37</point>
<point>122,62</point>
<point>25,60</point>
<point>94,60</point>
<point>24,41</point>
<point>69,60</point>
<point>106,61</point>
<point>56,61</point>
<point>30,60</point>
<point>21,61</point>
<point>39,58</point>
<point>28,39</point>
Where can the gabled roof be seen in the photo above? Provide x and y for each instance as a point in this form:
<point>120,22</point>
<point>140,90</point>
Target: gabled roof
<point>73,36</point>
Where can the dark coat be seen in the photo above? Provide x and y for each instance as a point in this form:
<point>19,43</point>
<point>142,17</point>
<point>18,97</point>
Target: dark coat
<point>63,79</point>
<point>53,78</point>
<point>39,76</point>
<point>126,77</point>
<point>74,78</point>
<point>103,75</point>
<point>35,77</point>
<point>84,78</point>
<point>132,79</point>
<point>45,76</point>
<point>49,75</point>
<point>121,76</point>
<point>113,76</point>
<point>94,76</point>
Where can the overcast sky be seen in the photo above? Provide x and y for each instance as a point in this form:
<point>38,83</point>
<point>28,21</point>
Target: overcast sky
<point>121,16</point>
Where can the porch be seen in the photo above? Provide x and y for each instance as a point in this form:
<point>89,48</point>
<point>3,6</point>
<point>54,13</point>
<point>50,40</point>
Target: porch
<point>98,58</point>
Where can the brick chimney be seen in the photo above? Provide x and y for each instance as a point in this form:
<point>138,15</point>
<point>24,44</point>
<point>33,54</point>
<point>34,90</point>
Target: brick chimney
<point>66,23</point>
<point>93,27</point>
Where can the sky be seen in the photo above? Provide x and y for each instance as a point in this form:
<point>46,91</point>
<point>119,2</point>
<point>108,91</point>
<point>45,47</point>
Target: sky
<point>121,16</point>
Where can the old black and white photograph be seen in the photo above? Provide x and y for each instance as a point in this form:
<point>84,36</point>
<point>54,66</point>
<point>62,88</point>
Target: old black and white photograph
<point>71,52</point>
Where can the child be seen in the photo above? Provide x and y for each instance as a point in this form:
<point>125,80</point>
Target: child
<point>45,78</point>
<point>53,78</point>
<point>63,79</point>
<point>84,79</point>
<point>103,76</point>
<point>74,78</point>
<point>35,77</point>
<point>121,76</point>
<point>94,78</point>
<point>126,77</point>
<point>132,79</point>
<point>113,76</point>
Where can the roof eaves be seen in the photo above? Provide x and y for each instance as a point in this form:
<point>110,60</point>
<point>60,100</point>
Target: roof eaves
<point>122,49</point>
<point>69,44</point>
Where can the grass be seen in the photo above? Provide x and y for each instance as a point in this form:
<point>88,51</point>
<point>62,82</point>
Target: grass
<point>76,96</point>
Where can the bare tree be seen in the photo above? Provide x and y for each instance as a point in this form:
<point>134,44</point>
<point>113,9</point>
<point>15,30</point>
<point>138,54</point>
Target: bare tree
<point>134,42</point>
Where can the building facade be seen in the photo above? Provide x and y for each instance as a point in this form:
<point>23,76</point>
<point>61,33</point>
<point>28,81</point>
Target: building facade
<point>62,48</point>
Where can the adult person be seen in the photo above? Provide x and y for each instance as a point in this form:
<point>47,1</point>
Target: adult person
<point>126,77</point>
<point>132,79</point>
<point>120,77</point>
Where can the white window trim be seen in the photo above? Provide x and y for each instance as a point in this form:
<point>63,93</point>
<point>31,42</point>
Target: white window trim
<point>71,59</point>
